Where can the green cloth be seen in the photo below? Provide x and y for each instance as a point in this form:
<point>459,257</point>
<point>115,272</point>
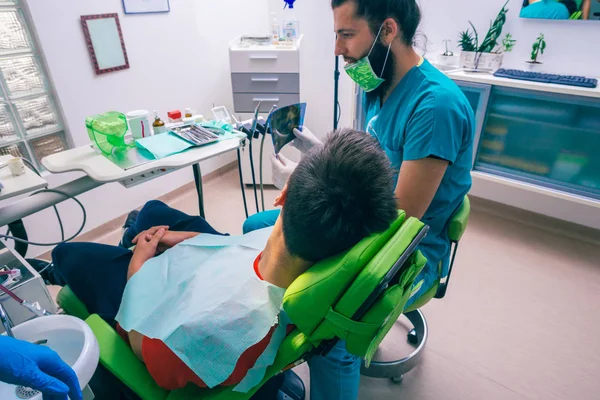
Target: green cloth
<point>167,144</point>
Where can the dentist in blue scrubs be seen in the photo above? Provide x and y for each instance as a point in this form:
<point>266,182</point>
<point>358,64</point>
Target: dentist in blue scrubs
<point>425,125</point>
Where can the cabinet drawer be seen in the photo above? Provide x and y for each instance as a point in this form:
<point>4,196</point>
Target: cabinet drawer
<point>265,83</point>
<point>247,102</point>
<point>282,61</point>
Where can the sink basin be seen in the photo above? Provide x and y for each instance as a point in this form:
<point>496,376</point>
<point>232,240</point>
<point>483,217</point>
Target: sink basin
<point>70,337</point>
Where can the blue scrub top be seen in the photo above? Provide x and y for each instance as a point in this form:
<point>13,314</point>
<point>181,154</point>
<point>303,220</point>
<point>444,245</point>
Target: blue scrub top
<point>427,115</point>
<point>545,9</point>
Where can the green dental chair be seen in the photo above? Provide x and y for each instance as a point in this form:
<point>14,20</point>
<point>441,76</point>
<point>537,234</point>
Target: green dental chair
<point>417,337</point>
<point>355,296</point>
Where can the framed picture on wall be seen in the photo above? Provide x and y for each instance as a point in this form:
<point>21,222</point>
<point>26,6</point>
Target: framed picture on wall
<point>146,6</point>
<point>105,43</point>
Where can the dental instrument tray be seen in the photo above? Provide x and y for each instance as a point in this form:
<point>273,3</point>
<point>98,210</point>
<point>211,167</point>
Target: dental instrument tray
<point>195,135</point>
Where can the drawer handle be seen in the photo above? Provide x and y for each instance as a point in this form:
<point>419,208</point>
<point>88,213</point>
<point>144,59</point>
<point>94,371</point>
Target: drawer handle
<point>263,57</point>
<point>265,79</point>
<point>268,100</point>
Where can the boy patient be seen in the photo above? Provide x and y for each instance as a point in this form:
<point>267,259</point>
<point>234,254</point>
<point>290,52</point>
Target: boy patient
<point>200,307</point>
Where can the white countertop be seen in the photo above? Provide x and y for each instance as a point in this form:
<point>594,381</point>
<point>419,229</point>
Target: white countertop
<point>100,169</point>
<point>235,45</point>
<point>16,185</point>
<point>481,77</point>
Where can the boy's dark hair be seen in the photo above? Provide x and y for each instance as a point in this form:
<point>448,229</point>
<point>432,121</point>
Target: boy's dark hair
<point>405,12</point>
<point>339,193</point>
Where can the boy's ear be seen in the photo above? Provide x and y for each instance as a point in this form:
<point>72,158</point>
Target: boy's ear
<point>280,200</point>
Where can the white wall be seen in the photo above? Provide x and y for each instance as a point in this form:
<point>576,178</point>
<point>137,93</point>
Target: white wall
<point>573,46</point>
<point>177,60</point>
<point>317,65</point>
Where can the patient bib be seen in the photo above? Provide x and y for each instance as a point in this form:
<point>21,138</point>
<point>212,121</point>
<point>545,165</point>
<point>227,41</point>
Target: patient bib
<point>203,299</point>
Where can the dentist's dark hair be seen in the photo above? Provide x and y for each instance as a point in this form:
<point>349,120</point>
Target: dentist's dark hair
<point>406,13</point>
<point>340,193</point>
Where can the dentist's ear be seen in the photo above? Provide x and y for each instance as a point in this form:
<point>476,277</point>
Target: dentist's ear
<point>280,200</point>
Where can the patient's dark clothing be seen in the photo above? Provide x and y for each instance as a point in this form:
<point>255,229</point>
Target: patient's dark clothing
<point>97,273</point>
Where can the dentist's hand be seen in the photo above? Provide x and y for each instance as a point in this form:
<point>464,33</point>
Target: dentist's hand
<point>37,367</point>
<point>282,169</point>
<point>305,140</point>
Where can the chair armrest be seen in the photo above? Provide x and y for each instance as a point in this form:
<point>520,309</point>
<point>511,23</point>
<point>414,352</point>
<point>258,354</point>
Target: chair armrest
<point>117,357</point>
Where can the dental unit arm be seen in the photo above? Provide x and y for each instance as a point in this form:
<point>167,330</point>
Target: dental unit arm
<point>35,308</point>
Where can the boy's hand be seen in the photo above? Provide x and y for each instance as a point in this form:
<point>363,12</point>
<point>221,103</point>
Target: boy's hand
<point>148,233</point>
<point>172,238</point>
<point>147,244</point>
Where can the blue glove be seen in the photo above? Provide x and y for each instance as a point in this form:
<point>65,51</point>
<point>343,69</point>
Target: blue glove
<point>37,367</point>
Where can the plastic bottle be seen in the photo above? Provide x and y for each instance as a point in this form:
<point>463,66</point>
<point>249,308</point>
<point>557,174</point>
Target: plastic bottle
<point>291,25</point>
<point>275,29</point>
<point>158,126</point>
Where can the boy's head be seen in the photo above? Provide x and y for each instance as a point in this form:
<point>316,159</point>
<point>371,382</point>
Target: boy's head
<point>339,193</point>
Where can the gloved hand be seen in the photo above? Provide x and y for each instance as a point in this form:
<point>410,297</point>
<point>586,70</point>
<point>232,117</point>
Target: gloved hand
<point>305,140</point>
<point>37,367</point>
<point>282,169</point>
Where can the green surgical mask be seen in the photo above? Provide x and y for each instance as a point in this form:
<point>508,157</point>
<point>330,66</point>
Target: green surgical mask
<point>362,72</point>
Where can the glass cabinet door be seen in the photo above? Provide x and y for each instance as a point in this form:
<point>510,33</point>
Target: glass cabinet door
<point>478,95</point>
<point>546,139</point>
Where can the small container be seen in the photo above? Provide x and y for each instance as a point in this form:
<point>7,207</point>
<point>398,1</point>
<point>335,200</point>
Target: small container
<point>139,124</point>
<point>275,29</point>
<point>16,166</point>
<point>174,116</point>
<point>158,126</point>
<point>198,118</point>
<point>188,113</point>
<point>189,121</point>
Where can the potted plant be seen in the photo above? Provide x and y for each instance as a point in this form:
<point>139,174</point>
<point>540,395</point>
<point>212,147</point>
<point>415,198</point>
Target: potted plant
<point>485,56</point>
<point>538,48</point>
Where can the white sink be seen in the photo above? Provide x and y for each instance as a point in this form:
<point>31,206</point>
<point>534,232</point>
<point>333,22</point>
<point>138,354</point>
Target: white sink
<point>70,337</point>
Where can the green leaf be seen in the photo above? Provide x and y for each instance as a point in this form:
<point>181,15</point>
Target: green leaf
<point>476,36</point>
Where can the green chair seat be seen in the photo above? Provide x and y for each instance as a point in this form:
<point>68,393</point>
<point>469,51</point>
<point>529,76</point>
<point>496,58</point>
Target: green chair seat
<point>355,296</point>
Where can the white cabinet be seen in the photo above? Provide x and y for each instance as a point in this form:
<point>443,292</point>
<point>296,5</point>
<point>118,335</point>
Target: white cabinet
<point>270,75</point>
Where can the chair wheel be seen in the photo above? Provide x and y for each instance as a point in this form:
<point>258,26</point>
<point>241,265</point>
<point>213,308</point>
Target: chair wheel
<point>398,379</point>
<point>412,337</point>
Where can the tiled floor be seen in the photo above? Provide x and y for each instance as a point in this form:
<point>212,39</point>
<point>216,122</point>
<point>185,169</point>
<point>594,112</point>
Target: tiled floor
<point>520,320</point>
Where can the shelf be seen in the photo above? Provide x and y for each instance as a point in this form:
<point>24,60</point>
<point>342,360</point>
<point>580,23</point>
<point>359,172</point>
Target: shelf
<point>544,123</point>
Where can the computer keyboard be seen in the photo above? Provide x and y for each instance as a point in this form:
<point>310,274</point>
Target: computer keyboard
<point>579,81</point>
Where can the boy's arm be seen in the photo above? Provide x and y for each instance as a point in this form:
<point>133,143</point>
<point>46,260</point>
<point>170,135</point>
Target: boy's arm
<point>146,247</point>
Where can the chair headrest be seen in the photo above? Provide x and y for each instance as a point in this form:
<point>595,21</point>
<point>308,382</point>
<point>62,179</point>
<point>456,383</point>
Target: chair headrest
<point>308,299</point>
<point>324,301</point>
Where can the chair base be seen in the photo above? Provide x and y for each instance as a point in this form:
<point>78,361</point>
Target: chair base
<point>395,370</point>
